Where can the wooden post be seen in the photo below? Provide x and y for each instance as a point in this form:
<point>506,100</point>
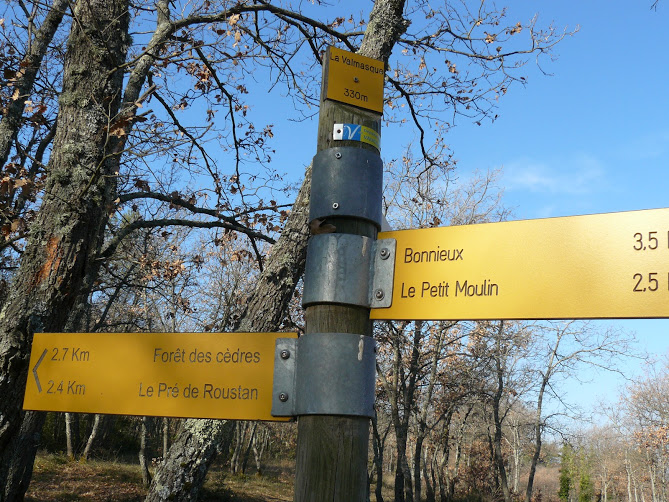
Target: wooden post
<point>332,451</point>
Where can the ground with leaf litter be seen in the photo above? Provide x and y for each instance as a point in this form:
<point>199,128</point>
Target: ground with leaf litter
<point>56,478</point>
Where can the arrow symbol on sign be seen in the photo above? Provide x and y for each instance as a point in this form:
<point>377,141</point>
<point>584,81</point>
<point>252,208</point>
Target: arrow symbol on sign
<point>39,387</point>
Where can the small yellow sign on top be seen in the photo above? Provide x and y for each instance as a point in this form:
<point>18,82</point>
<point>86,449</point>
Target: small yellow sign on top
<point>355,80</point>
<point>195,375</point>
<point>605,266</point>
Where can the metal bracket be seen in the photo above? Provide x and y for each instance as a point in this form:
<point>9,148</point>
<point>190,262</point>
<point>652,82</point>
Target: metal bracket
<point>383,273</point>
<point>349,270</point>
<point>324,374</point>
<point>283,387</point>
<point>346,181</point>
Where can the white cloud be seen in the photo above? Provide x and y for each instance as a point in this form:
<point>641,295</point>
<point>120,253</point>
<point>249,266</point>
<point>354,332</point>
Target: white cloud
<point>578,175</point>
<point>651,146</point>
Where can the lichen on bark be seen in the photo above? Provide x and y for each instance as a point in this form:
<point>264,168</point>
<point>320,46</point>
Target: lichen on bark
<point>68,228</point>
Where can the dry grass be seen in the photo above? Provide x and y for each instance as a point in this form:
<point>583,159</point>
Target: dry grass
<point>275,485</point>
<point>56,479</point>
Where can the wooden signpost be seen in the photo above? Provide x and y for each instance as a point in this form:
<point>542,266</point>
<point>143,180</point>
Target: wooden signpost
<point>332,450</point>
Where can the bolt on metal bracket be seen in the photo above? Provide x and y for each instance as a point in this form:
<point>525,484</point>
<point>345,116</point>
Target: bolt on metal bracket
<point>349,270</point>
<point>326,374</point>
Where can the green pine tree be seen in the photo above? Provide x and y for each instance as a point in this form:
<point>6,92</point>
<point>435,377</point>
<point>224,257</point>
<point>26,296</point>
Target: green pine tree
<point>565,473</point>
<point>585,489</point>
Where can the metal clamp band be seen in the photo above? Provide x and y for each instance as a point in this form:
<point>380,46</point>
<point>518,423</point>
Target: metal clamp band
<point>349,270</point>
<point>324,374</point>
<point>346,181</point>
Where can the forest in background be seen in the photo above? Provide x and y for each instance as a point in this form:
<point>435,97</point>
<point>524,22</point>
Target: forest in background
<point>623,459</point>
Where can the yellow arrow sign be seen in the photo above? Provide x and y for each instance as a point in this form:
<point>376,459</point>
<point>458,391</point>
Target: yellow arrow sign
<point>612,265</point>
<point>199,375</point>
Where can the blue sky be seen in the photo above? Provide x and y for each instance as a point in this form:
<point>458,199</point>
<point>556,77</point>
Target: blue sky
<point>591,137</point>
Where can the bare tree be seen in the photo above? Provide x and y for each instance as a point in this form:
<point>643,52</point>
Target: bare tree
<point>498,350</point>
<point>565,348</point>
<point>646,416</point>
<point>416,353</point>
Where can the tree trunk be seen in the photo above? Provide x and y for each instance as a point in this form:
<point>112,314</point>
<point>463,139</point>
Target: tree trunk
<point>401,394</point>
<point>21,469</point>
<point>499,462</point>
<point>80,189</point>
<point>91,437</point>
<point>458,456</point>
<point>72,434</point>
<point>424,408</point>
<point>238,439</point>
<point>651,477</point>
<point>259,444</point>
<point>399,482</point>
<point>417,457</point>
<point>68,435</point>
<point>628,469</point>
<point>403,485</point>
<point>181,474</point>
<point>443,475</point>
<point>443,479</point>
<point>517,451</point>
<point>166,435</point>
<point>497,418</point>
<point>537,440</point>
<point>429,480</point>
<point>378,446</point>
<point>401,431</point>
<point>408,481</point>
<point>247,453</point>
<point>143,460</point>
<point>408,405</point>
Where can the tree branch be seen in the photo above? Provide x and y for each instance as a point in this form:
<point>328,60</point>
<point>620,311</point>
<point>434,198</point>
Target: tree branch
<point>125,231</point>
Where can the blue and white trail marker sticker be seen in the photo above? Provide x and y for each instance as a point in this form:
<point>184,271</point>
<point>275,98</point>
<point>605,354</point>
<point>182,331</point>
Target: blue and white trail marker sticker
<point>355,132</point>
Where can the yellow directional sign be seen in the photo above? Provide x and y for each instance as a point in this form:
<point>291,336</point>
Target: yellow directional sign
<point>198,375</point>
<point>354,79</point>
<point>612,265</point>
